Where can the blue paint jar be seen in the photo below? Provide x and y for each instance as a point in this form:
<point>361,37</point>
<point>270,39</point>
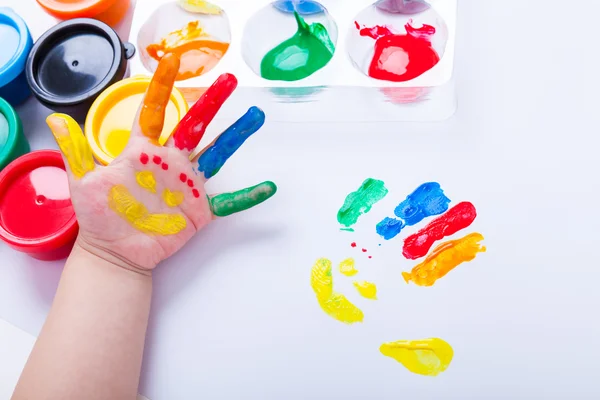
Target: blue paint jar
<point>15,45</point>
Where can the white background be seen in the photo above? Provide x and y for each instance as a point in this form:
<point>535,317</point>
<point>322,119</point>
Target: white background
<point>234,316</point>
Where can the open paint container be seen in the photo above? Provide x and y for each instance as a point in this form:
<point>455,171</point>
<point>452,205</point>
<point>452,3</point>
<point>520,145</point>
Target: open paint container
<point>72,63</point>
<point>109,121</point>
<point>13,143</point>
<point>110,12</point>
<point>15,45</point>
<point>36,214</point>
<point>311,60</point>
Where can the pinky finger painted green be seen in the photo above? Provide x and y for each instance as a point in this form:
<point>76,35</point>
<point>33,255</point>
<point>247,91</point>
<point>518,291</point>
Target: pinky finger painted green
<point>230,203</point>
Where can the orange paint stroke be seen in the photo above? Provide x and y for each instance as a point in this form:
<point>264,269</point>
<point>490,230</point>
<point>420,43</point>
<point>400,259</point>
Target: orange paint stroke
<point>444,259</point>
<point>152,116</point>
<point>197,51</point>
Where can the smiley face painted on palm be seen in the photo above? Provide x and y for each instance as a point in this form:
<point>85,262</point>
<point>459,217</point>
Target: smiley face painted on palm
<point>151,200</point>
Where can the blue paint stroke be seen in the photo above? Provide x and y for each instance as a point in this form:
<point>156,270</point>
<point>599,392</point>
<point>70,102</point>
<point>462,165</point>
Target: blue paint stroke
<point>426,201</point>
<point>304,7</point>
<point>389,228</point>
<point>211,161</point>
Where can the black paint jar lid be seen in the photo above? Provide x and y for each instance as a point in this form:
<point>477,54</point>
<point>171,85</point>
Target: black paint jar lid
<point>73,62</point>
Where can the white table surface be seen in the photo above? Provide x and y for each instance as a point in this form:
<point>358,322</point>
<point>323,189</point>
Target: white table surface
<point>523,69</point>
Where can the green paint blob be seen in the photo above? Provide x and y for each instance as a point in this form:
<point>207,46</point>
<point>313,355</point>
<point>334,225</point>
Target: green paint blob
<point>230,203</point>
<point>309,50</point>
<point>3,130</point>
<point>360,202</point>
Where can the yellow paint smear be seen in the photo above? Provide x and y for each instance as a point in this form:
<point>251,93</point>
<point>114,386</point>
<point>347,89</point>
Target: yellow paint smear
<point>347,267</point>
<point>146,180</point>
<point>336,305</point>
<point>366,289</point>
<point>200,7</point>
<point>72,143</point>
<point>424,357</point>
<point>123,203</point>
<point>172,199</point>
<point>444,258</point>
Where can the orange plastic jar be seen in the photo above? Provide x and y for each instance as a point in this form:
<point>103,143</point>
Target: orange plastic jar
<point>110,12</point>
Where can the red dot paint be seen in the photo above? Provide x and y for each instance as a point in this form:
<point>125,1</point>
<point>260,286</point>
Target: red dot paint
<point>165,166</point>
<point>183,177</point>
<point>190,130</point>
<point>457,218</point>
<point>144,158</point>
<point>156,160</point>
<point>353,244</point>
<point>400,58</point>
<point>196,193</point>
<point>370,257</point>
<point>364,250</point>
<point>190,183</point>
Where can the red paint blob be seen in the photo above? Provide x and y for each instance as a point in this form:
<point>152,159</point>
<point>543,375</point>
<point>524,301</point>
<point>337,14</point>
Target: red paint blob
<point>156,160</point>
<point>400,58</point>
<point>196,193</point>
<point>370,256</point>
<point>364,250</point>
<point>190,183</point>
<point>190,130</point>
<point>457,218</point>
<point>353,244</point>
<point>144,158</point>
<point>183,177</point>
<point>165,166</point>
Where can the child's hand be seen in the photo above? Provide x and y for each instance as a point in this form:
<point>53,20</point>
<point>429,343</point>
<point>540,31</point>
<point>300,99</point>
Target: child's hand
<point>150,201</point>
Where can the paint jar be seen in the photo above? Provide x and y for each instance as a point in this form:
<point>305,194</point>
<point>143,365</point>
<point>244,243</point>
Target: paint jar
<point>109,121</point>
<point>15,45</point>
<point>13,143</point>
<point>110,12</point>
<point>36,214</point>
<point>72,63</point>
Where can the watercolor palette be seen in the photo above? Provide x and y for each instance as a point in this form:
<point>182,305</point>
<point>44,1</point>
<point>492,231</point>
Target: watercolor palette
<point>331,60</point>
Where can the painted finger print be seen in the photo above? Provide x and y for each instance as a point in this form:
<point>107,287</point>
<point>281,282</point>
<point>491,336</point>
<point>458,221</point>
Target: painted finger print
<point>403,6</point>
<point>152,114</point>
<point>215,156</point>
<point>348,267</point>
<point>360,202</point>
<point>426,201</point>
<point>444,259</point>
<point>457,218</point>
<point>226,204</point>
<point>428,357</point>
<point>389,228</point>
<point>72,144</point>
<point>336,305</point>
<point>192,127</point>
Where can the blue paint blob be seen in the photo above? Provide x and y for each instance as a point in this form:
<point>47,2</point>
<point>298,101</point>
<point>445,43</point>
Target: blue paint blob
<point>426,201</point>
<point>211,161</point>
<point>389,228</point>
<point>304,7</point>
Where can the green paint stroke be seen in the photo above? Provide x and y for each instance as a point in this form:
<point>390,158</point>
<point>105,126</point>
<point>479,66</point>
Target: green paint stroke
<point>309,50</point>
<point>230,203</point>
<point>360,202</point>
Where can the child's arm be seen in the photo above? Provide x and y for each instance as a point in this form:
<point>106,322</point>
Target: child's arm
<point>132,214</point>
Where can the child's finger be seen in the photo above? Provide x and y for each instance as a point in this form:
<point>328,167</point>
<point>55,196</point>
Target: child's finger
<point>72,143</point>
<point>190,130</point>
<point>151,117</point>
<point>211,159</point>
<point>226,204</point>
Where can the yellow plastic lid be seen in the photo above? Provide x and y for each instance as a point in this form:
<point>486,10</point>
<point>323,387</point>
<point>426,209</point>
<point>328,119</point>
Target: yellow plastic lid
<point>108,123</point>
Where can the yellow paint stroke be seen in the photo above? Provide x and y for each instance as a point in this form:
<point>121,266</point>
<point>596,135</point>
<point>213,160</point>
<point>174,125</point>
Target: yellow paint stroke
<point>146,180</point>
<point>347,267</point>
<point>200,7</point>
<point>424,357</point>
<point>172,199</point>
<point>444,258</point>
<point>336,305</point>
<point>72,143</point>
<point>366,289</point>
<point>123,203</point>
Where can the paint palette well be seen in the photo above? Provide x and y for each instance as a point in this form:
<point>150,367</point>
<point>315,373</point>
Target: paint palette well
<point>337,88</point>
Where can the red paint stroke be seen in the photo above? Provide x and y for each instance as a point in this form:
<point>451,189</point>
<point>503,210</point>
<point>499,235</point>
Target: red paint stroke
<point>457,218</point>
<point>400,58</point>
<point>165,166</point>
<point>353,244</point>
<point>190,130</point>
<point>183,178</point>
<point>156,160</point>
<point>190,183</point>
<point>196,193</point>
<point>144,158</point>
